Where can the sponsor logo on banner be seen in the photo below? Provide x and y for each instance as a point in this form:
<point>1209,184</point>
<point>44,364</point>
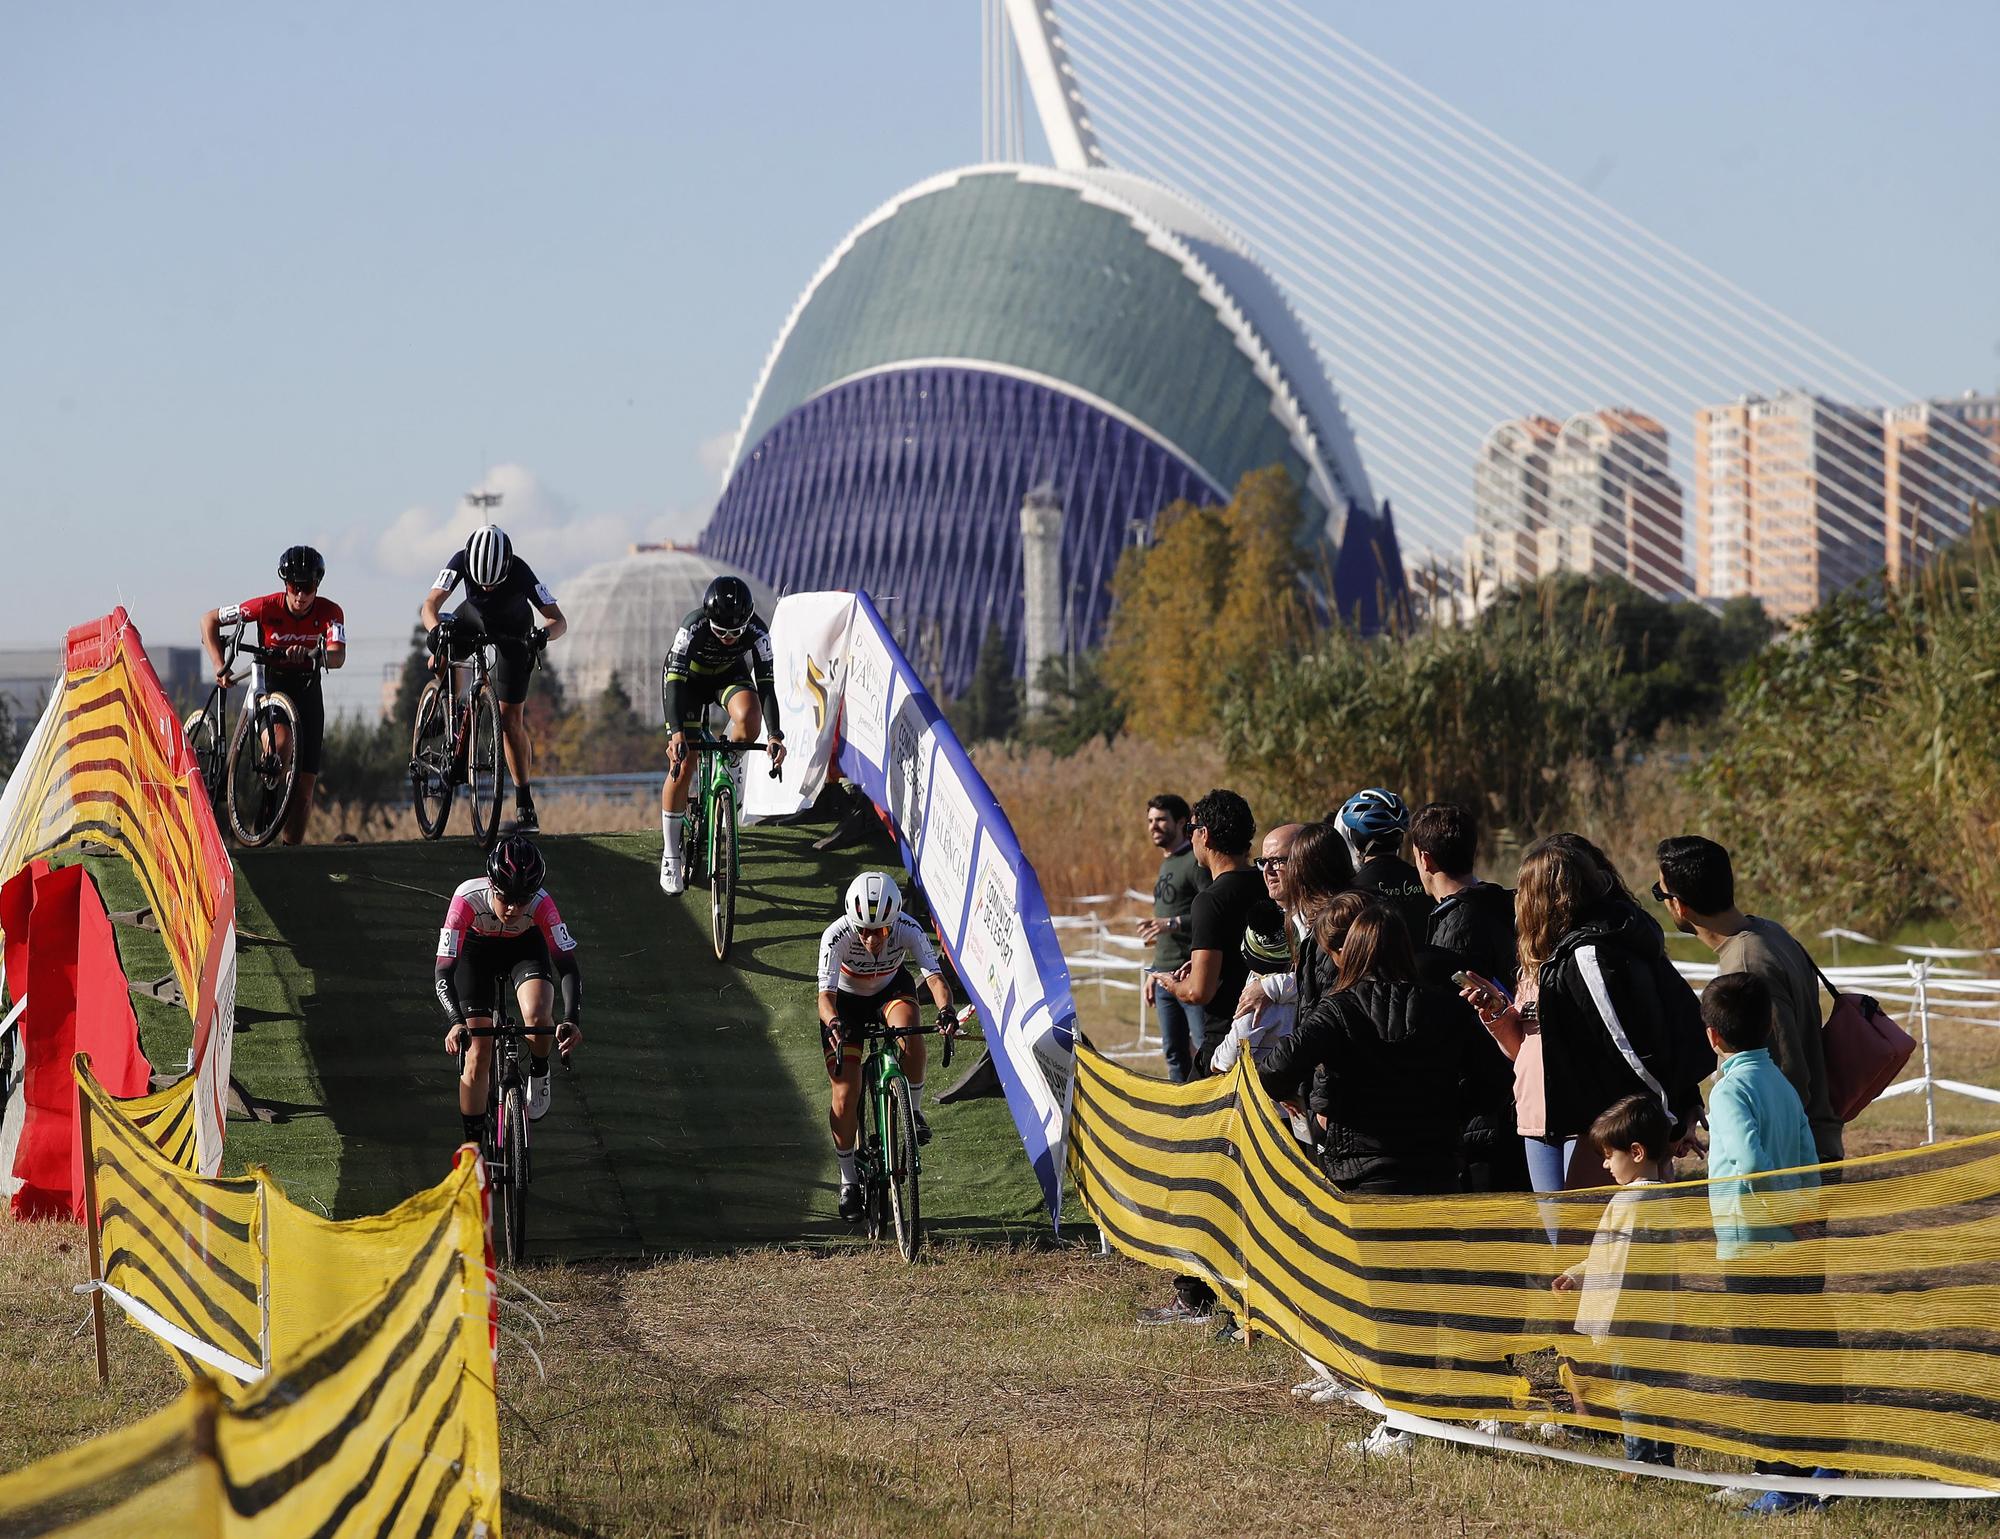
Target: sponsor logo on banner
<point>992,930</point>
<point>809,672</point>
<point>945,860</point>
<point>865,703</point>
<point>906,775</point>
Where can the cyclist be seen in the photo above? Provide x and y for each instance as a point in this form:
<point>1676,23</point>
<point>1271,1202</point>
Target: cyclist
<point>505,925</point>
<point>864,977</point>
<point>502,594</point>
<point>721,656</point>
<point>304,632</point>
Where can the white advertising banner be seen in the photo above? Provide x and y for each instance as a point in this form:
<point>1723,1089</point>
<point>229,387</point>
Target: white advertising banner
<point>809,665</point>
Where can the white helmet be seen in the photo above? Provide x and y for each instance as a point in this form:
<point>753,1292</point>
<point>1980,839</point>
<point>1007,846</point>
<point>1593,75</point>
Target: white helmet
<point>873,901</point>
<point>488,553</point>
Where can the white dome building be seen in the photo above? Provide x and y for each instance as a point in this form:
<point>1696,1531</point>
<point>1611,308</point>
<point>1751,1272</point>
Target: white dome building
<point>623,615</point>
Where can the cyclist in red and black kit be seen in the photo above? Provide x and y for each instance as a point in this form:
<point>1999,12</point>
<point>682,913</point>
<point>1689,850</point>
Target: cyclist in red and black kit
<point>304,633</point>
<point>502,595</point>
<point>504,925</point>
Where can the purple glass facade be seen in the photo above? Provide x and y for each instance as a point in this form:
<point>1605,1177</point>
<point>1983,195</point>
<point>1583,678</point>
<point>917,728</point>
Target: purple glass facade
<point>909,483</point>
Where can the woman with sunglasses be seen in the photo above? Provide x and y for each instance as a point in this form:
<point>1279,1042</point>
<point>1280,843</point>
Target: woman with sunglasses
<point>303,633</point>
<point>721,656</point>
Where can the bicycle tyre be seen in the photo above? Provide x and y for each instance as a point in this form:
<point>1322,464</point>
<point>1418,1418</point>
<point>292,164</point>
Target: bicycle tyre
<point>722,875</point>
<point>899,1158</point>
<point>514,1209</point>
<point>485,769</point>
<point>432,784</point>
<point>694,836</point>
<point>261,784</point>
<point>204,741</point>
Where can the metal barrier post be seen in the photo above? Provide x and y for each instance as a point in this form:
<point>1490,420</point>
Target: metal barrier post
<point>1920,971</point>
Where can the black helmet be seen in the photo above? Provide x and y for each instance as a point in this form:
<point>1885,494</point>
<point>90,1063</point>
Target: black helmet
<point>516,868</point>
<point>728,603</point>
<point>303,565</point>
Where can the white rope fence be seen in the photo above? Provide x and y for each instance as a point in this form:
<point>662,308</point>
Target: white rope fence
<point>1927,984</point>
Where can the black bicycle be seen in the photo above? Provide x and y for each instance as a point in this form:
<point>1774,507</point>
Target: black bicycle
<point>507,1141</point>
<point>259,768</point>
<point>456,742</point>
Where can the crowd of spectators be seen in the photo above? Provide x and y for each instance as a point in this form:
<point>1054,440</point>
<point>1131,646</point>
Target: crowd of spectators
<point>1429,1032</point>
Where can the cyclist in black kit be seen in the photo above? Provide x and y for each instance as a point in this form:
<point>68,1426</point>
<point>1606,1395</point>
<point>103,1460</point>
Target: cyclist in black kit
<point>502,595</point>
<point>721,656</point>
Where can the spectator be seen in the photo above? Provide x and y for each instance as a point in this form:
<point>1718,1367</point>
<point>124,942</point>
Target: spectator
<point>1600,1014</point>
<point>1260,1021</point>
<point>1373,823</point>
<point>1473,926</point>
<point>1234,900</point>
<point>1389,1048</point>
<point>1698,889</point>
<point>1181,878</point>
<point>1756,1123</point>
<point>1386,1052</point>
<point>1317,868</point>
<point>1636,1141</point>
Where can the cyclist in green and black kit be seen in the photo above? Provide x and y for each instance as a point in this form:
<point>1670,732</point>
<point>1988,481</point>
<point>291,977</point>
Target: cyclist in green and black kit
<point>721,656</point>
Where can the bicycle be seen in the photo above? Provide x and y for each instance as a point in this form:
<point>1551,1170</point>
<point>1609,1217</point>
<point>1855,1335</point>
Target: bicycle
<point>507,1123</point>
<point>260,767</point>
<point>887,1159</point>
<point>456,742</point>
<point>709,835</point>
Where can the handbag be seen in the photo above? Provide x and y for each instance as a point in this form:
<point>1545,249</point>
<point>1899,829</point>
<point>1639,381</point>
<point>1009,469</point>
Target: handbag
<point>1865,1050</point>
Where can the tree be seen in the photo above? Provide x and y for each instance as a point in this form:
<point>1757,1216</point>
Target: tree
<point>1081,706</point>
<point>991,708</point>
<point>1217,592</point>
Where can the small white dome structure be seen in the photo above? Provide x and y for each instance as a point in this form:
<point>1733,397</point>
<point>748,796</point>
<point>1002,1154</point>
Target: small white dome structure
<point>623,615</point>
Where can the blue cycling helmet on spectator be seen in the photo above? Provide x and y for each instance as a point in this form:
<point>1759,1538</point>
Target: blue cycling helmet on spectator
<point>1372,817</point>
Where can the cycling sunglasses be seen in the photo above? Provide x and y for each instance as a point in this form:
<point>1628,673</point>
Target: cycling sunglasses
<point>726,637</point>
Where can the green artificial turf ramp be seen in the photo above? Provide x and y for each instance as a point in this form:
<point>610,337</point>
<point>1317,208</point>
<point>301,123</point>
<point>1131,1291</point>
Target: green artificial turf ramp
<point>695,1114</point>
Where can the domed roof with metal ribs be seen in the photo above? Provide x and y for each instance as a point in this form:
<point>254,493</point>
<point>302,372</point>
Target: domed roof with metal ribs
<point>623,615</point>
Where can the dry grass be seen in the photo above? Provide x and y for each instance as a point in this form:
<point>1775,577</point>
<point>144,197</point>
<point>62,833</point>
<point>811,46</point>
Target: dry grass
<point>983,1392</point>
<point>1082,820</point>
<point>341,822</point>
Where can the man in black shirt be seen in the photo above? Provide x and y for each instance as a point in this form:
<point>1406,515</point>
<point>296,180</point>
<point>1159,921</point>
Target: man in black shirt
<point>502,595</point>
<point>1472,930</point>
<point>1373,822</point>
<point>1234,901</point>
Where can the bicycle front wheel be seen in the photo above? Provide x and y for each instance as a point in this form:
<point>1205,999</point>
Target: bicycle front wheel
<point>722,874</point>
<point>514,1149</point>
<point>485,769</point>
<point>432,784</point>
<point>204,738</point>
<point>899,1163</point>
<point>263,768</point>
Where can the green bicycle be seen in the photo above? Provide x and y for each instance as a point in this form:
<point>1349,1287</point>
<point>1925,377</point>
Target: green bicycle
<point>888,1161</point>
<point>709,835</point>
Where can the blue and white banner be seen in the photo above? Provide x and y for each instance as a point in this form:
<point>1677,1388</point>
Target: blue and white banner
<point>895,744</point>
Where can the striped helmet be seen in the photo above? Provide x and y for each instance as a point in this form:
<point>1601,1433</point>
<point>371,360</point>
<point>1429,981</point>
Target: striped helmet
<point>873,901</point>
<point>488,554</point>
<point>1371,817</point>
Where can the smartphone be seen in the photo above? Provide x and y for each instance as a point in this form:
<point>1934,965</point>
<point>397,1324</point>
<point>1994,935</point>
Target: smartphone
<point>1465,980</point>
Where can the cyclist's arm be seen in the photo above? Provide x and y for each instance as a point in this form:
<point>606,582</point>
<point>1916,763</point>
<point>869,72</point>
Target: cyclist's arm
<point>562,951</point>
<point>674,678</point>
<point>434,606</point>
<point>764,677</point>
<point>829,1007</point>
<point>552,612</point>
<point>211,637</point>
<point>336,639</point>
<point>451,940</point>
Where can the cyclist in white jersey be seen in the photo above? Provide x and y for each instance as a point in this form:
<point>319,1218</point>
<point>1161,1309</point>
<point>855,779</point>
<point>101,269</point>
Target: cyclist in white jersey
<point>864,978</point>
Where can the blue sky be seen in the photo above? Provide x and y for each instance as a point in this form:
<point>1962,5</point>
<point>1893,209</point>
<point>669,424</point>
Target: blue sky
<point>273,273</point>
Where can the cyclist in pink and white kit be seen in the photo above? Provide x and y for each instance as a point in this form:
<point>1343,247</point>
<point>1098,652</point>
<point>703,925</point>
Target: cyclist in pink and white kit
<point>505,925</point>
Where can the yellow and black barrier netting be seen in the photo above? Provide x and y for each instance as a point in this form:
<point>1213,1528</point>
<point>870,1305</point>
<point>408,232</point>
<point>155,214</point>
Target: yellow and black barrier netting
<point>377,1412</point>
<point>1846,1317</point>
<point>234,1262</point>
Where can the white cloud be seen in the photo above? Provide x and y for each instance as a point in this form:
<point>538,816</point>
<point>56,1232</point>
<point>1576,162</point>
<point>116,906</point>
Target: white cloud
<point>543,525</point>
<point>713,453</point>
